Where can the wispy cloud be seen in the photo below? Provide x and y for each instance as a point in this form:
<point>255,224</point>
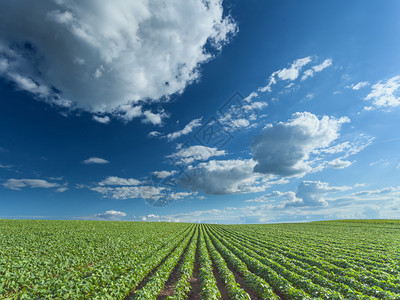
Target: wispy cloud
<point>290,73</point>
<point>164,174</point>
<point>186,130</point>
<point>318,68</point>
<point>154,134</point>
<point>18,184</point>
<point>114,180</point>
<point>358,86</point>
<point>5,166</point>
<point>195,153</point>
<point>109,215</point>
<point>130,188</point>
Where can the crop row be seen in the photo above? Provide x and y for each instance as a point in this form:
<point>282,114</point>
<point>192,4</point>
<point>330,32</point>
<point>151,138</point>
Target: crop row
<point>128,260</point>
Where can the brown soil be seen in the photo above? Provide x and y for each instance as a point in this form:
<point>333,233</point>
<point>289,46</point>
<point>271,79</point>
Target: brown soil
<point>240,279</point>
<point>144,281</point>
<point>220,284</point>
<point>195,280</point>
<point>169,286</point>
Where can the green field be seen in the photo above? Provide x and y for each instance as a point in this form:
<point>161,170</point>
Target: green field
<point>137,260</point>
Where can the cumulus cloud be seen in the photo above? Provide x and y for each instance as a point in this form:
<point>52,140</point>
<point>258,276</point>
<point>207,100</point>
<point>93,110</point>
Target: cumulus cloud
<point>195,153</point>
<point>111,215</point>
<point>109,57</point>
<point>95,160</point>
<point>186,130</point>
<point>318,68</point>
<point>311,193</point>
<point>18,184</point>
<point>223,177</point>
<point>285,148</point>
<point>153,118</point>
<point>384,94</point>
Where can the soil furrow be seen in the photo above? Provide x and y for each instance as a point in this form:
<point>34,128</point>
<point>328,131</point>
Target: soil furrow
<point>169,286</point>
<point>144,281</point>
<point>194,279</point>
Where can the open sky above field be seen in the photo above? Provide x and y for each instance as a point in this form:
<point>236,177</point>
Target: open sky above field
<point>233,112</point>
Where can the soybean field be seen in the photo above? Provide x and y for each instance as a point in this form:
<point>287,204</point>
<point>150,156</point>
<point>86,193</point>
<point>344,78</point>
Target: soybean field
<point>143,260</point>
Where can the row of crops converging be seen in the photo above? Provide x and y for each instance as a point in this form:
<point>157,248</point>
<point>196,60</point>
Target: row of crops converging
<point>139,260</point>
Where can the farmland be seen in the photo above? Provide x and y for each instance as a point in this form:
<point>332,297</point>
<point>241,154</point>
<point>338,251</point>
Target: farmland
<point>139,260</point>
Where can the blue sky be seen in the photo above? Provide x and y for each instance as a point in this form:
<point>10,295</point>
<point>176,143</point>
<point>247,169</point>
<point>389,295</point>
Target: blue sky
<point>228,112</point>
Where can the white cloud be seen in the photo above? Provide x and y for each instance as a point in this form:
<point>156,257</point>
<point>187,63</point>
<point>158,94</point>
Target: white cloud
<point>5,166</point>
<point>113,180</point>
<point>239,116</point>
<point>286,74</point>
<point>129,188</point>
<point>18,184</point>
<point>293,72</point>
<point>153,118</point>
<point>284,149</point>
<point>147,192</point>
<point>338,163</point>
<point>223,177</point>
<point>288,196</point>
<point>310,193</point>
<point>385,190</point>
<point>275,207</point>
<point>309,96</point>
<point>101,56</point>
<point>164,174</point>
<point>358,86</point>
<point>110,215</point>
<point>103,120</point>
<point>127,192</point>
<point>150,217</point>
<point>95,160</point>
<point>251,96</point>
<point>186,130</point>
<point>154,134</point>
<point>318,68</point>
<point>195,153</point>
<point>384,94</point>
<point>381,162</point>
